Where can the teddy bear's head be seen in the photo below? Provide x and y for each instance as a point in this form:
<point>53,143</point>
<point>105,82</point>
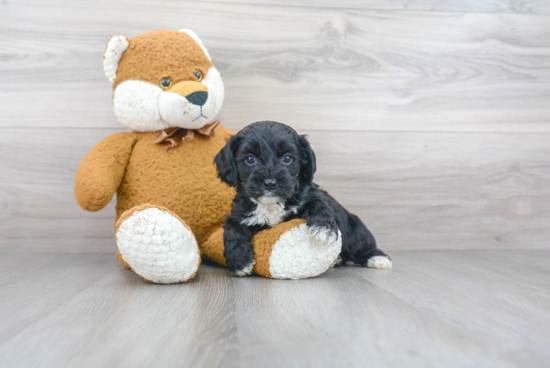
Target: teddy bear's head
<point>163,79</point>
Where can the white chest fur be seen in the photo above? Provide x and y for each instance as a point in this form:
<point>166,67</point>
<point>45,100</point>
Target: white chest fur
<point>269,211</point>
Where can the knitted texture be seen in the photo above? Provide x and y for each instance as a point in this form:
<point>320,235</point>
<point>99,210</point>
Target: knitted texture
<point>162,54</point>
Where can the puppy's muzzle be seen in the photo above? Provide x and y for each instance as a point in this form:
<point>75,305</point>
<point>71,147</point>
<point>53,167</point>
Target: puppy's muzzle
<point>270,184</point>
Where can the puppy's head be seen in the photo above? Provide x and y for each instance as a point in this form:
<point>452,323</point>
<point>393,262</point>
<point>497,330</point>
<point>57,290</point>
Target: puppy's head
<point>267,159</point>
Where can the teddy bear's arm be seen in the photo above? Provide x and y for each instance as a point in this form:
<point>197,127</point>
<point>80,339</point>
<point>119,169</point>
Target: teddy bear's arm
<point>100,172</point>
<point>285,251</point>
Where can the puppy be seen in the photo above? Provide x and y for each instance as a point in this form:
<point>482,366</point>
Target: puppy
<point>272,168</point>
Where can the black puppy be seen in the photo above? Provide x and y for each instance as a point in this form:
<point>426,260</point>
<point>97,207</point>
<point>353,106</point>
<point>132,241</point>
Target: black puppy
<point>272,167</point>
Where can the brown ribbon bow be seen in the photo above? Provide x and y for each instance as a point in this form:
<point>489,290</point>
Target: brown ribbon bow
<point>174,136</point>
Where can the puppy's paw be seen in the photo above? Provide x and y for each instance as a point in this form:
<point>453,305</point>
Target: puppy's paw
<point>323,233</point>
<point>246,271</point>
<point>337,262</point>
<point>379,262</point>
<point>239,257</point>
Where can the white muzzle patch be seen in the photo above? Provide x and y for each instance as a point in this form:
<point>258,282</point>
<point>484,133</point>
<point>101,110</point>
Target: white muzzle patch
<point>177,111</point>
<point>145,107</point>
<point>269,211</point>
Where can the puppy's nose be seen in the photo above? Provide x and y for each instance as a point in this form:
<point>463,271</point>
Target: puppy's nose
<point>197,98</point>
<point>270,184</point>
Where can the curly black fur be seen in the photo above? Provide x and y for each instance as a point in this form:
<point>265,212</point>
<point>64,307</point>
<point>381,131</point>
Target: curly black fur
<point>270,175</point>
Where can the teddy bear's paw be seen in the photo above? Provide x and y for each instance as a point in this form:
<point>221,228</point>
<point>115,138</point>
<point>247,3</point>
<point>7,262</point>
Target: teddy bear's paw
<point>300,254</point>
<point>158,246</point>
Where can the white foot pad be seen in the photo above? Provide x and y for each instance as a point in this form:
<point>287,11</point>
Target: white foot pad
<point>158,246</point>
<point>247,271</point>
<point>379,262</point>
<point>298,254</point>
<point>323,233</point>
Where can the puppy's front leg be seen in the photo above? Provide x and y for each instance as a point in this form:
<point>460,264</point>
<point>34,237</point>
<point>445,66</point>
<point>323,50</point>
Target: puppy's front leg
<point>238,252</point>
<point>321,221</point>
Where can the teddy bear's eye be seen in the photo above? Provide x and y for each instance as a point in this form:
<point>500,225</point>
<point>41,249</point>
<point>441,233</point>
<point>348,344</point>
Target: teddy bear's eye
<point>198,74</point>
<point>165,83</point>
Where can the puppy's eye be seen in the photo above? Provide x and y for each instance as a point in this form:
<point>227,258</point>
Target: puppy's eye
<point>286,159</point>
<point>250,160</point>
<point>198,74</point>
<point>165,83</point>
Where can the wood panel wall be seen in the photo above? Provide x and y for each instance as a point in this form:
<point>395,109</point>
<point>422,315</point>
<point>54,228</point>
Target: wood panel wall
<point>430,119</point>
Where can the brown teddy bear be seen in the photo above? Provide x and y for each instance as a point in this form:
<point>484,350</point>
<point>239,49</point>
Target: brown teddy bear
<point>170,203</point>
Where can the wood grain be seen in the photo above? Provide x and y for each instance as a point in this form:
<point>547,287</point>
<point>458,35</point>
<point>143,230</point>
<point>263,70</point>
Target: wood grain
<point>510,6</point>
<point>317,68</point>
<point>120,320</point>
<point>414,190</point>
<point>31,287</point>
<point>431,126</point>
<point>38,167</point>
<point>449,304</point>
<point>441,190</point>
<point>433,309</point>
<point>430,120</point>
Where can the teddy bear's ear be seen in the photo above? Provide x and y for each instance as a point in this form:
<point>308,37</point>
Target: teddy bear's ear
<point>115,48</point>
<point>194,36</point>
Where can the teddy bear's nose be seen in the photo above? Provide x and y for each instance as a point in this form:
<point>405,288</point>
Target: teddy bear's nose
<point>197,98</point>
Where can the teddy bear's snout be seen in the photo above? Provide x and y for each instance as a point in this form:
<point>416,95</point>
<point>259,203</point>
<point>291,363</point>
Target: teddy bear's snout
<point>187,104</point>
<point>194,92</point>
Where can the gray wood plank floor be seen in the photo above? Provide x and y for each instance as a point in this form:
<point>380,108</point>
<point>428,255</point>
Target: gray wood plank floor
<point>434,309</point>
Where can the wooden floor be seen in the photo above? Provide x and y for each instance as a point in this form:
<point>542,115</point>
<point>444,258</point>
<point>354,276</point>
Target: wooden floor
<point>434,309</point>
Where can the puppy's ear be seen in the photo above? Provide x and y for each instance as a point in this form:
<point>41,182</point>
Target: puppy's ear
<point>309,164</point>
<point>225,162</point>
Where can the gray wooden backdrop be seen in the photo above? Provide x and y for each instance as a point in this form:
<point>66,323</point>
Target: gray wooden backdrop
<point>430,118</point>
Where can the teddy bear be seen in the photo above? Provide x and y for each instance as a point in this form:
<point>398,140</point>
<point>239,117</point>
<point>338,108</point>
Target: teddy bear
<point>170,203</point>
